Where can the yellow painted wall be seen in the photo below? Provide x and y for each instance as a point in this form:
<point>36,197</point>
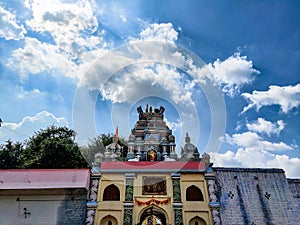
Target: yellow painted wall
<point>110,208</point>
<point>190,209</point>
<point>137,193</point>
<point>193,209</point>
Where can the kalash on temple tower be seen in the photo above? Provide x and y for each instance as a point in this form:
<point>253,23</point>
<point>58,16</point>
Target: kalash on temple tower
<point>152,185</point>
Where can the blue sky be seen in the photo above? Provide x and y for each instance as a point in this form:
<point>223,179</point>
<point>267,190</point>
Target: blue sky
<point>227,73</point>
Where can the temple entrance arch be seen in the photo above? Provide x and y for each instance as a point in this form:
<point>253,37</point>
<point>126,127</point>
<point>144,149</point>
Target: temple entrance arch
<point>153,215</point>
<point>197,221</point>
<point>109,220</point>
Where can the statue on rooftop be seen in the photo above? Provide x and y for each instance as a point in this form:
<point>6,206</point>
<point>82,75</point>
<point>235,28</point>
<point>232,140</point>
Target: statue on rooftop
<point>161,111</point>
<point>140,111</point>
<point>189,151</point>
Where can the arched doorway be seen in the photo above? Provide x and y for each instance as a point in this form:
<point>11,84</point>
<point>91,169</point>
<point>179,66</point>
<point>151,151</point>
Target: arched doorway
<point>153,215</point>
<point>197,221</point>
<point>109,220</point>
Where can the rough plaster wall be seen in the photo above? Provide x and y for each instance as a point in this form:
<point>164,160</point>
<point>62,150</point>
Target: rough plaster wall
<point>72,211</point>
<point>294,185</point>
<point>255,196</point>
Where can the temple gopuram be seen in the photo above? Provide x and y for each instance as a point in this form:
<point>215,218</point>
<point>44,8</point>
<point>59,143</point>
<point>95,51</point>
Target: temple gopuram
<point>153,185</point>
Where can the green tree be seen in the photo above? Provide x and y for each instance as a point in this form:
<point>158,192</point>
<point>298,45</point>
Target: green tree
<point>98,144</point>
<point>10,155</point>
<point>54,147</point>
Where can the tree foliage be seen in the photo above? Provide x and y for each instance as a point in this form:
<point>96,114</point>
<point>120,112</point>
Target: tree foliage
<point>98,144</point>
<point>54,147</point>
<point>10,155</point>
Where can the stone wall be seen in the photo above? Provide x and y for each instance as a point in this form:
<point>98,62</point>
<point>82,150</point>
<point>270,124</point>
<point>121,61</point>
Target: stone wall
<point>43,207</point>
<point>255,196</point>
<point>72,210</point>
<point>294,185</point>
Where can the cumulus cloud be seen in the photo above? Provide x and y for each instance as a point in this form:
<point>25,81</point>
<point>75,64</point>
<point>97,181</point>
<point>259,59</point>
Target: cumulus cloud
<point>10,29</point>
<point>258,158</point>
<point>36,57</point>
<point>141,78</point>
<point>230,74</point>
<point>265,126</point>
<point>252,141</point>
<point>163,32</point>
<point>70,24</point>
<point>74,39</point>
<point>29,124</point>
<point>173,125</point>
<point>287,97</point>
<point>253,151</point>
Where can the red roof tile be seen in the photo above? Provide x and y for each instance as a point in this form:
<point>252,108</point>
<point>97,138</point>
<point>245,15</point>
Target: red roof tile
<point>44,178</point>
<point>146,166</point>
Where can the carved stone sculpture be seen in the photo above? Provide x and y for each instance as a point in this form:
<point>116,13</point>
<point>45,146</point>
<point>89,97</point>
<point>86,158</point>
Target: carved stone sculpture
<point>216,217</point>
<point>90,217</point>
<point>94,190</point>
<point>212,191</point>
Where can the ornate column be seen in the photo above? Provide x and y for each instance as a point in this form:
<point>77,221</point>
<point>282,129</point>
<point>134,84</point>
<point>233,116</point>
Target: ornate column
<point>92,199</point>
<point>129,187</point>
<point>177,203</point>
<point>128,208</point>
<point>128,204</point>
<point>213,199</point>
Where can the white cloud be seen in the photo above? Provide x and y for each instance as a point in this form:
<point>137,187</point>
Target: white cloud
<point>230,74</point>
<point>267,127</point>
<point>173,125</point>
<point>76,39</point>
<point>253,151</point>
<point>36,57</point>
<point>9,27</point>
<point>287,97</point>
<point>70,24</point>
<point>141,78</point>
<point>258,158</point>
<point>252,141</point>
<point>29,124</point>
<point>23,94</point>
<point>163,32</point>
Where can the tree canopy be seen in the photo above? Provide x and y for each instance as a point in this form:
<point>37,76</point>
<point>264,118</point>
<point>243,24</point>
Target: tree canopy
<point>54,147</point>
<point>97,145</point>
<point>10,155</point>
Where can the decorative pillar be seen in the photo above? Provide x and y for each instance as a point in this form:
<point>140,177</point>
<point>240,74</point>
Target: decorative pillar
<point>92,199</point>
<point>213,199</point>
<point>129,187</point>
<point>173,154</point>
<point>164,145</point>
<point>130,154</point>
<point>128,208</point>
<point>178,213</point>
<point>176,187</point>
<point>128,205</point>
<point>139,153</point>
<point>177,203</point>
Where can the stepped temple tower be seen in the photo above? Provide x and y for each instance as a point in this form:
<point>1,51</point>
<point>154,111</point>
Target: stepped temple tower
<point>151,184</point>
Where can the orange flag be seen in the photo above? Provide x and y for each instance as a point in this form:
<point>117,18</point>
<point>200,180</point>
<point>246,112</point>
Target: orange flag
<point>117,134</point>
